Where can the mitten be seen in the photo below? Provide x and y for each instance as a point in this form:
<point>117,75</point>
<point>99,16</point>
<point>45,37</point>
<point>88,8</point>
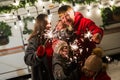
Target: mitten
<point>48,49</point>
<point>40,51</point>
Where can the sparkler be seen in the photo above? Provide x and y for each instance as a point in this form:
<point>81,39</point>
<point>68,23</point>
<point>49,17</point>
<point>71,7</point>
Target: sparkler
<point>88,35</point>
<point>49,34</point>
<point>77,45</point>
<point>74,45</point>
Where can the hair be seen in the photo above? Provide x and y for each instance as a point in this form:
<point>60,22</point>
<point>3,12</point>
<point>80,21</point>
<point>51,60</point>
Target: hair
<point>94,61</point>
<point>63,9</point>
<point>39,25</point>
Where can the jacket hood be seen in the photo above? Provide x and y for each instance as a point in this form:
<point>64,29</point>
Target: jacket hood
<point>78,17</point>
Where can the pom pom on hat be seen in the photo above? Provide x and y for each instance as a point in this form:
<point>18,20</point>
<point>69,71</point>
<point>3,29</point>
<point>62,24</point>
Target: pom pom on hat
<point>98,52</point>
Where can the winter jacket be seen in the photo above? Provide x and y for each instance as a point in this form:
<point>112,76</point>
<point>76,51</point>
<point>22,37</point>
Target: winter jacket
<point>41,68</point>
<point>81,26</point>
<point>77,74</point>
<point>100,76</point>
<point>62,67</point>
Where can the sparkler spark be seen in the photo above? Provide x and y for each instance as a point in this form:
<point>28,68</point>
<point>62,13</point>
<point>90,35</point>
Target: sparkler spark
<point>74,46</point>
<point>49,34</point>
<point>88,35</point>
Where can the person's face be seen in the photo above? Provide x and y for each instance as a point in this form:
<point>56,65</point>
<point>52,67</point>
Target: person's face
<point>64,51</point>
<point>48,26</point>
<point>68,17</point>
<point>89,73</point>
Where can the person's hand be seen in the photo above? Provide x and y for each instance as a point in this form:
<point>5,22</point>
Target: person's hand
<point>40,51</point>
<point>96,38</point>
<point>48,49</point>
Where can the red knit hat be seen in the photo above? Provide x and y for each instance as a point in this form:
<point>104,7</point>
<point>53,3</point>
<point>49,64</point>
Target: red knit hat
<point>58,44</point>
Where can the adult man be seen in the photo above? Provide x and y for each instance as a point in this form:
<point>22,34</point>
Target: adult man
<point>78,27</point>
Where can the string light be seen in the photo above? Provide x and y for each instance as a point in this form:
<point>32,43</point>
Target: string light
<point>73,3</point>
<point>27,5</point>
<point>15,26</point>
<point>48,12</point>
<point>50,1</point>
<point>40,2</point>
<point>19,17</point>
<point>88,12</point>
<point>100,6</point>
<point>89,7</point>
<point>49,15</point>
<point>16,2</point>
<point>63,2</point>
<point>75,7</point>
<point>111,2</point>
<point>33,20</point>
<point>7,16</point>
<point>20,22</point>
<point>28,13</point>
<point>44,10</point>
<point>98,11</point>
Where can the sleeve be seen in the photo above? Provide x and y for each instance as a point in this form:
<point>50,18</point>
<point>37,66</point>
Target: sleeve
<point>103,76</point>
<point>93,27</point>
<point>30,57</point>
<point>58,72</point>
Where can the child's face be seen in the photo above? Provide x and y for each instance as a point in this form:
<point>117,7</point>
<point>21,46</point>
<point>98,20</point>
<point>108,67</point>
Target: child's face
<point>89,73</point>
<point>64,52</point>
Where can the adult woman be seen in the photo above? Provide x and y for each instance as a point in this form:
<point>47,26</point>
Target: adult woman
<point>38,53</point>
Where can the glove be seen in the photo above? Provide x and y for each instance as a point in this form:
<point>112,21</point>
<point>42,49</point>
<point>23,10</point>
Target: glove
<point>48,49</point>
<point>97,38</point>
<point>40,51</point>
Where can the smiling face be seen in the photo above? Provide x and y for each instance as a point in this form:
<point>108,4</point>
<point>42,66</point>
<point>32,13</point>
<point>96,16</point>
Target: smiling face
<point>67,17</point>
<point>64,51</point>
<point>89,73</point>
<point>66,14</point>
<point>48,26</point>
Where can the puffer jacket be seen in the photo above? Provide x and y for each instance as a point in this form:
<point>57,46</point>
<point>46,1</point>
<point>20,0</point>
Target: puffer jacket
<point>81,26</point>
<point>78,74</point>
<point>62,67</point>
<point>41,68</point>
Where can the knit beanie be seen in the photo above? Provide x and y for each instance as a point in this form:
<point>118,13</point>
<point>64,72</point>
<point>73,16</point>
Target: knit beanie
<point>94,61</point>
<point>58,44</point>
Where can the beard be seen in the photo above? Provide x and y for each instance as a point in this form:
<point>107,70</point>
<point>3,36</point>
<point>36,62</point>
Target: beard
<point>70,28</point>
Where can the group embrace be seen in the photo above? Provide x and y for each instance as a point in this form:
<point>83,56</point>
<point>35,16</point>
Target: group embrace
<point>71,53</point>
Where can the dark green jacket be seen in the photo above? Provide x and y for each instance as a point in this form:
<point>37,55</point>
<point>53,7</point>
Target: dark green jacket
<point>40,69</point>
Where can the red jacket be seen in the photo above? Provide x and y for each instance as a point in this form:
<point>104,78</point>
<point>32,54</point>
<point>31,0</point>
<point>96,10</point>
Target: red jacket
<point>100,76</point>
<point>81,26</point>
